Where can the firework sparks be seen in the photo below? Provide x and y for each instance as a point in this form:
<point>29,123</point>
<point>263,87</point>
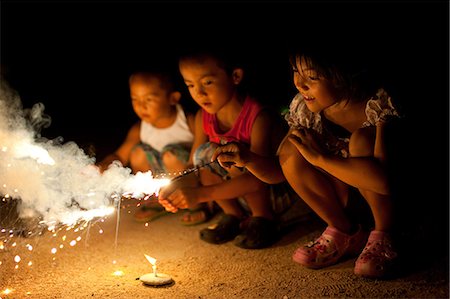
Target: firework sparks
<point>48,185</point>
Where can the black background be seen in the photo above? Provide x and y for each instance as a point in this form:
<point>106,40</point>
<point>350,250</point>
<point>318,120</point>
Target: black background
<point>75,58</point>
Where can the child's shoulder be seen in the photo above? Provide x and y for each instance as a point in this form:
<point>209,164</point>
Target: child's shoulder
<point>136,127</point>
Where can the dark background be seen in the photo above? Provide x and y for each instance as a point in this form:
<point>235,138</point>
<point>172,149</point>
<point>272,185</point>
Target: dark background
<point>75,58</point>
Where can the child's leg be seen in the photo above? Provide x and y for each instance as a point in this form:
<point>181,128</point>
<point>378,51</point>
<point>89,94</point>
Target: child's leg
<point>174,158</point>
<point>316,188</point>
<point>228,227</point>
<point>259,203</point>
<point>382,209</point>
<point>215,174</point>
<point>378,255</point>
<point>326,196</point>
<point>144,158</point>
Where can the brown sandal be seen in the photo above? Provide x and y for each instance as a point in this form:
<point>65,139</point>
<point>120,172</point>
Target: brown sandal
<point>195,216</point>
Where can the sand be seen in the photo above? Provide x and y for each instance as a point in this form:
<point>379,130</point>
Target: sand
<point>198,269</point>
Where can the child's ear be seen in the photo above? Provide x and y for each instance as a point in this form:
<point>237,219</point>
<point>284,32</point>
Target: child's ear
<point>237,75</point>
<point>175,97</point>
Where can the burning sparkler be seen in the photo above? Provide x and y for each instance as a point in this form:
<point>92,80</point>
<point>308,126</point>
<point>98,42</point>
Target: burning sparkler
<point>56,184</point>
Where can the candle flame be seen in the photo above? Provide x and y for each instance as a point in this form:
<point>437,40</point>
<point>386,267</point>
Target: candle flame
<point>150,259</point>
<point>118,273</point>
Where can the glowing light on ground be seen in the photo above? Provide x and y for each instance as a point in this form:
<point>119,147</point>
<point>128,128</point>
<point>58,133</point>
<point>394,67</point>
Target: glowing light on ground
<point>118,273</point>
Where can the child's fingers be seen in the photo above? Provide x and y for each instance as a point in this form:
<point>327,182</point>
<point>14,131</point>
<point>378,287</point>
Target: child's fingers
<point>226,160</point>
<point>221,150</point>
<point>168,205</point>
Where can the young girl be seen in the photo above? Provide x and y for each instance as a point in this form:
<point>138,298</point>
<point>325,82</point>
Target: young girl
<point>228,115</point>
<point>338,124</point>
<point>161,141</point>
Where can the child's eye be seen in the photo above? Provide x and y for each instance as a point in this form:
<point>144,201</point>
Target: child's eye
<point>313,78</point>
<point>208,82</point>
<point>189,85</point>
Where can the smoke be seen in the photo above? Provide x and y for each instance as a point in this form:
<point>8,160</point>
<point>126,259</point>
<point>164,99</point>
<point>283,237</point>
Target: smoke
<point>56,181</point>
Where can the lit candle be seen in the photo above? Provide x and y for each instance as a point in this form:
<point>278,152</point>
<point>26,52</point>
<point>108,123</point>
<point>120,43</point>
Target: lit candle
<point>153,262</point>
<point>154,278</point>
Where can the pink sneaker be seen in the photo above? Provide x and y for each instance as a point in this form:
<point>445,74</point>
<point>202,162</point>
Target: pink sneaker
<point>377,257</point>
<point>329,248</point>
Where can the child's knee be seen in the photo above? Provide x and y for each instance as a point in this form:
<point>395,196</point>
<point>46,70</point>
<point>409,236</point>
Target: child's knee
<point>287,150</point>
<point>362,143</point>
<point>137,156</point>
<point>175,156</point>
<point>143,158</point>
<point>204,153</point>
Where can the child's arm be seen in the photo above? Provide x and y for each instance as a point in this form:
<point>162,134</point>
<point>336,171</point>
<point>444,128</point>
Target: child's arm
<point>196,125</point>
<point>261,147</point>
<point>260,160</point>
<point>363,171</point>
<point>187,196</point>
<point>122,154</point>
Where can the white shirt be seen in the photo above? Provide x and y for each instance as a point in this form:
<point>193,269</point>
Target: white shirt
<point>178,132</point>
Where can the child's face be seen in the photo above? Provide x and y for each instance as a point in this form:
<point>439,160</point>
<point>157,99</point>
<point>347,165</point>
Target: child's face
<point>150,101</point>
<point>209,85</point>
<point>317,91</point>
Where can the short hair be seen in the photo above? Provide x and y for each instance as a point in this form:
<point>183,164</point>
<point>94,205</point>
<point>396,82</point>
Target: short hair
<point>227,58</point>
<point>164,77</point>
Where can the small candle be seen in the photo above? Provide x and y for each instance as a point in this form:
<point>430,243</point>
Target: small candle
<point>154,278</point>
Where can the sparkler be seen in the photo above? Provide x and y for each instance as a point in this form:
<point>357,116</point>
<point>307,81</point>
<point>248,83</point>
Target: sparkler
<point>54,184</point>
<point>191,170</point>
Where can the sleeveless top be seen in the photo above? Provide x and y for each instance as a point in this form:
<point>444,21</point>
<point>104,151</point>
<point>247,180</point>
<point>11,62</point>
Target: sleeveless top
<point>242,128</point>
<point>379,109</point>
<point>178,132</point>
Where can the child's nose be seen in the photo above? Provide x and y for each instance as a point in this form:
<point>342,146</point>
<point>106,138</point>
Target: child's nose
<point>300,85</point>
<point>199,90</point>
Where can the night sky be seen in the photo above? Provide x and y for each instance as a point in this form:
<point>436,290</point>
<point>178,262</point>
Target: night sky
<point>75,57</point>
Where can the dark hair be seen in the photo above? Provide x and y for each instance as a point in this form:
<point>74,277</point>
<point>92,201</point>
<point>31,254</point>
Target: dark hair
<point>347,65</point>
<point>164,77</point>
<point>169,79</point>
<point>228,58</point>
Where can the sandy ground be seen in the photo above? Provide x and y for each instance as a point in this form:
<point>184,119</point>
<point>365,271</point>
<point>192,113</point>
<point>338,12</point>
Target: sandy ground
<point>199,269</point>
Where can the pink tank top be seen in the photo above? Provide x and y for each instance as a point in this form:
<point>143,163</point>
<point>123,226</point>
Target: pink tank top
<point>242,128</point>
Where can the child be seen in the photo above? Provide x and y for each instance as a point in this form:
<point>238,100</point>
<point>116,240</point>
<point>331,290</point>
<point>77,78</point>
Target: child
<point>228,114</point>
<point>161,141</point>
<point>337,141</point>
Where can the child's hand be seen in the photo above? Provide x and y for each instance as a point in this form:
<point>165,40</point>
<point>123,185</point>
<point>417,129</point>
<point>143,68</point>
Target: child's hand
<point>163,198</point>
<point>306,143</point>
<point>231,154</point>
<point>179,194</point>
<point>167,205</point>
<point>181,198</point>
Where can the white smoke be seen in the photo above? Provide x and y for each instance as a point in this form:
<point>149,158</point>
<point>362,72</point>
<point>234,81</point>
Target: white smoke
<point>56,181</point>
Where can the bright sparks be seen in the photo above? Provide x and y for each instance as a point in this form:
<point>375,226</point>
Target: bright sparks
<point>118,273</point>
<point>71,218</point>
